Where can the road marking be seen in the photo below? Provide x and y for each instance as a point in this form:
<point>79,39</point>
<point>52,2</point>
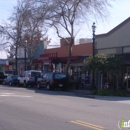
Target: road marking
<point>95,127</point>
<point>12,95</point>
<point>7,93</point>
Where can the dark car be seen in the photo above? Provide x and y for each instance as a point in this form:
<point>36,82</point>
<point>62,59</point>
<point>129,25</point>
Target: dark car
<point>2,77</point>
<point>11,80</point>
<point>52,80</point>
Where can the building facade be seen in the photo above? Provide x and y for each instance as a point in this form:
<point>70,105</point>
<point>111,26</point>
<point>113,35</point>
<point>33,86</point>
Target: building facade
<point>22,58</point>
<point>3,65</point>
<point>117,42</point>
<point>55,59</point>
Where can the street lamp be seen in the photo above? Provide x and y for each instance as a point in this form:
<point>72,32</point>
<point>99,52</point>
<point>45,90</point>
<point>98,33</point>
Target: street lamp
<point>25,55</point>
<point>93,31</point>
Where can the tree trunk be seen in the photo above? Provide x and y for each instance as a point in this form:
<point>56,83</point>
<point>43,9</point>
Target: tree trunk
<point>117,82</point>
<point>30,64</point>
<point>69,56</point>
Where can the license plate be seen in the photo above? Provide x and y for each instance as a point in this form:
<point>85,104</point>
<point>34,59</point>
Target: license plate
<point>60,85</point>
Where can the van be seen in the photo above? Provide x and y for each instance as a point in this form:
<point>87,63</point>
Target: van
<point>29,77</point>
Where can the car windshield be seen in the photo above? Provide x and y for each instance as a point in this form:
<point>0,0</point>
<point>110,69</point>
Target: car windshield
<point>36,74</point>
<point>59,76</point>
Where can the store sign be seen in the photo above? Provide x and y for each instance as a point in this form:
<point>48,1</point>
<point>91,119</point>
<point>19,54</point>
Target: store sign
<point>8,67</point>
<point>46,63</point>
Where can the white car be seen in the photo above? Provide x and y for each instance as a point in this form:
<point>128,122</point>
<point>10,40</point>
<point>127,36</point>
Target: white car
<point>29,77</point>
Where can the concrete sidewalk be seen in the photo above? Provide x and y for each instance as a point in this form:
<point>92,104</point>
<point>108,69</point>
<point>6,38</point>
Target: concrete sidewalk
<point>87,93</point>
<point>83,93</point>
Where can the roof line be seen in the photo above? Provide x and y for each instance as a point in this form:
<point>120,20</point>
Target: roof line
<point>114,29</point>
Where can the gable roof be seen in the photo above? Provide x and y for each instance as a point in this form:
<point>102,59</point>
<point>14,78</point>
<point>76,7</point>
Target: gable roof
<point>114,29</point>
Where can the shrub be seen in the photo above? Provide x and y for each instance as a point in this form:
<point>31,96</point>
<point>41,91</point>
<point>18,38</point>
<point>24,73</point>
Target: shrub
<point>106,92</point>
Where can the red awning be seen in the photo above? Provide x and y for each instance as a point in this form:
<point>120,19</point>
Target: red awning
<point>43,58</point>
<point>66,58</point>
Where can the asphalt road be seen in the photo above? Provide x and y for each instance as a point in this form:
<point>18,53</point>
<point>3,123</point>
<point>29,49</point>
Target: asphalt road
<point>32,109</point>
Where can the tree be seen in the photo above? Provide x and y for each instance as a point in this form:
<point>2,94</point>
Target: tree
<point>11,33</point>
<point>104,63</point>
<point>33,28</point>
<point>66,15</point>
<point>23,25</point>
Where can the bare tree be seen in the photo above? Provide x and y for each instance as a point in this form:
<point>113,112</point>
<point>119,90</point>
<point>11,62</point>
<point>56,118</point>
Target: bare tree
<point>11,34</point>
<point>65,15</point>
<point>24,29</point>
<point>33,29</point>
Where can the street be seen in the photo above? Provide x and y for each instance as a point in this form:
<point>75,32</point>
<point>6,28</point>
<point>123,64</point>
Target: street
<point>32,109</point>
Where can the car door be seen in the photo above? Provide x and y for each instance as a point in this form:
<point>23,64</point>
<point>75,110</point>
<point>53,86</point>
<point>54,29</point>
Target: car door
<point>43,80</point>
<point>8,79</point>
<point>47,79</point>
<point>21,80</point>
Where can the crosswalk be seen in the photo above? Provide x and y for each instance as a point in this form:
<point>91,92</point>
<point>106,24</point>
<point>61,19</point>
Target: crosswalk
<point>14,95</point>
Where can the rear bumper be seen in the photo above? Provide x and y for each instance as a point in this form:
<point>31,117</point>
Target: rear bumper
<point>58,85</point>
<point>1,80</point>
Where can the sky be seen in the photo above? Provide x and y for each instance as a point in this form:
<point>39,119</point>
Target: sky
<point>119,12</point>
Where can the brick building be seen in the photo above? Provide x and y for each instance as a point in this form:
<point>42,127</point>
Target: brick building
<point>56,58</point>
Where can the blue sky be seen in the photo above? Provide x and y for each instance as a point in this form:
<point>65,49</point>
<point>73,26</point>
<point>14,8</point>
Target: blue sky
<point>118,13</point>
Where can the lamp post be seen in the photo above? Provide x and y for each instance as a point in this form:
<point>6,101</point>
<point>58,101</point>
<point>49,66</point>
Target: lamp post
<point>93,32</point>
<point>25,57</point>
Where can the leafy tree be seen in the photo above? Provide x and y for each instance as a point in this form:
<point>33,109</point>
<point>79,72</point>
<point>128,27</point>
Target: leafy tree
<point>104,63</point>
<point>101,62</point>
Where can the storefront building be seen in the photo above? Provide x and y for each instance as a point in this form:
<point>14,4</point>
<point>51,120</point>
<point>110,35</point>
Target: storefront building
<point>116,42</point>
<point>55,59</point>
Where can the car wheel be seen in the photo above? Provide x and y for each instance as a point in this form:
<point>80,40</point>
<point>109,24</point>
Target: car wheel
<point>18,84</point>
<point>10,83</point>
<point>48,86</point>
<point>38,86</point>
<point>3,83</point>
<point>24,84</point>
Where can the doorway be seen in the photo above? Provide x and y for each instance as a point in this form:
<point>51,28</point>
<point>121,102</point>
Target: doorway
<point>127,77</point>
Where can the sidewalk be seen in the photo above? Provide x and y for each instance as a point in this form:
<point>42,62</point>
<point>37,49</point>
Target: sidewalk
<point>87,93</point>
<point>83,93</point>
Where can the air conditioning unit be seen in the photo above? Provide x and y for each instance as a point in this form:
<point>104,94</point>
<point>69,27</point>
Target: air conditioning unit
<point>85,40</point>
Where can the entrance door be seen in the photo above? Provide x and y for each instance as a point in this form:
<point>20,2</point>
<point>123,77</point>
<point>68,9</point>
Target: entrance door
<point>128,78</point>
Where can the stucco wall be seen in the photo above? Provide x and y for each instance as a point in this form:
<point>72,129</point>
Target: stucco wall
<point>81,49</point>
<point>117,42</point>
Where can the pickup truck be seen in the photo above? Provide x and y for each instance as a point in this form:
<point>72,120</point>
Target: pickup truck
<point>2,77</point>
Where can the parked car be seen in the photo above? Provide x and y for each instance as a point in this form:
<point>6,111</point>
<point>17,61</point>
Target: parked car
<point>10,72</point>
<point>29,77</point>
<point>11,80</point>
<point>2,77</point>
<point>52,80</point>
